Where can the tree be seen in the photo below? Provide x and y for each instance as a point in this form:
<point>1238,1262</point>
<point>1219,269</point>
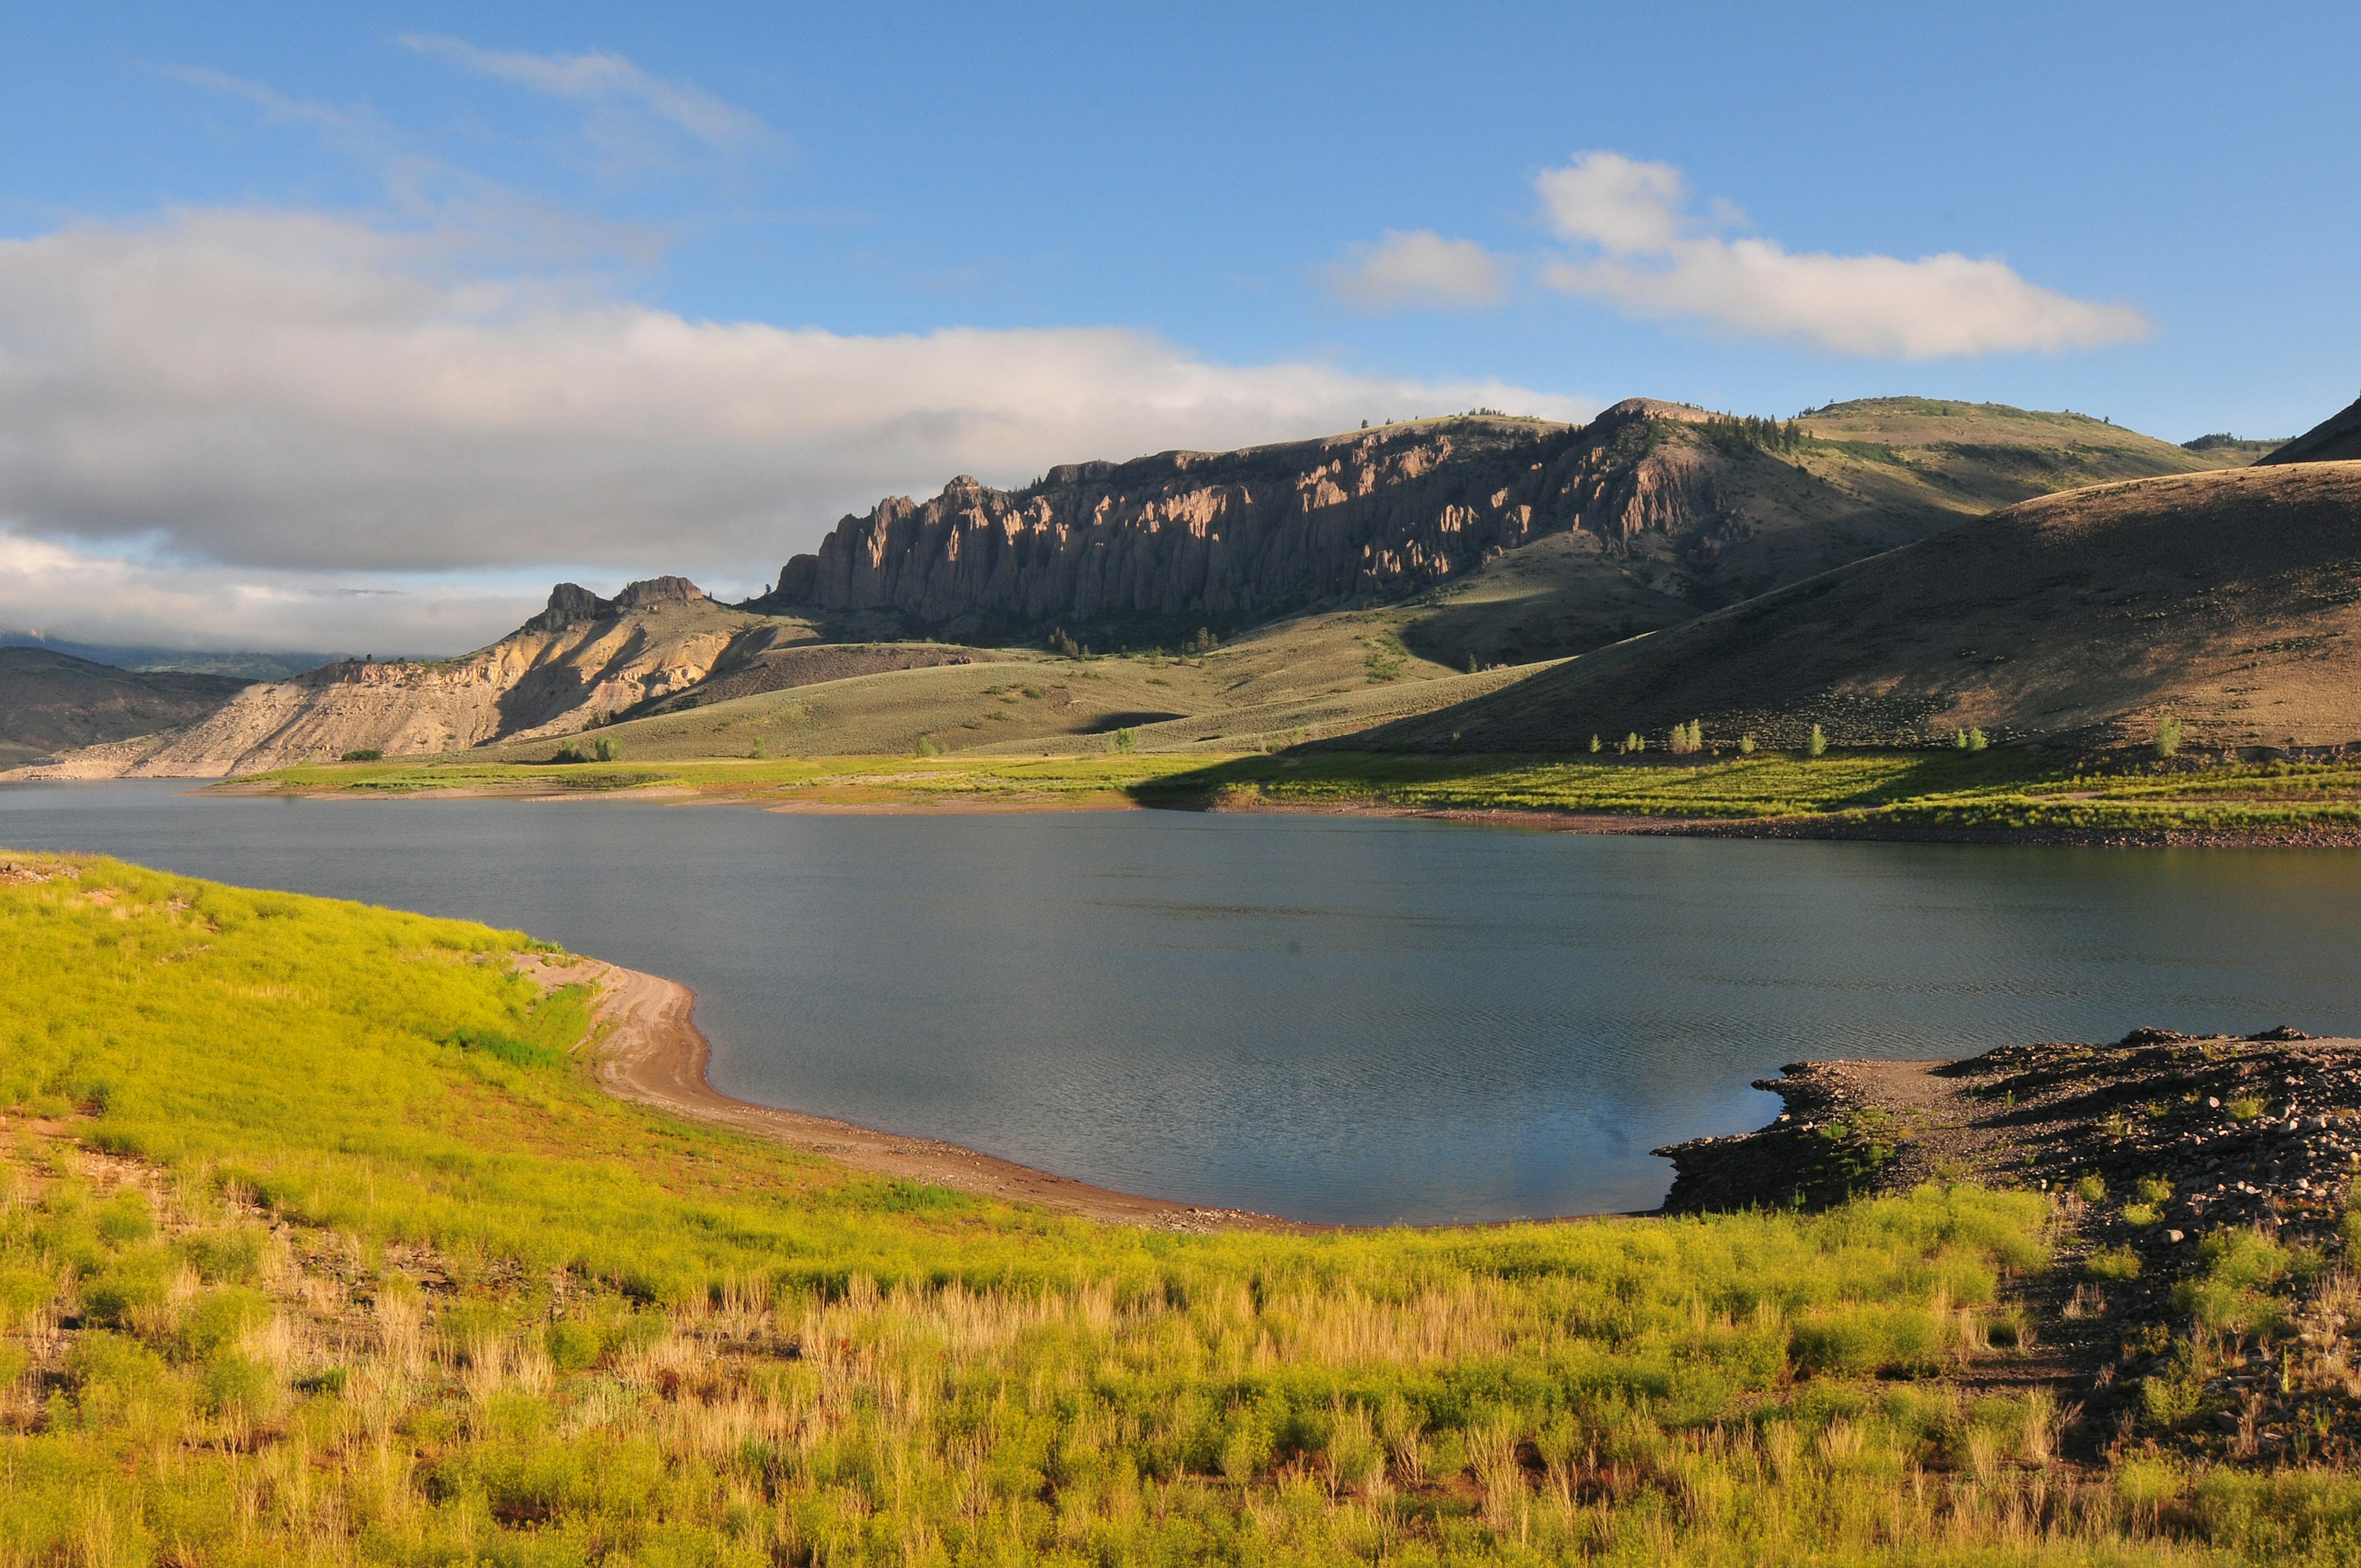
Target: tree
<point>1976,741</point>
<point>1819,743</point>
<point>1594,745</point>
<point>1125,739</point>
<point>1959,740</point>
<point>2168,736</point>
<point>608,751</point>
<point>1746,744</point>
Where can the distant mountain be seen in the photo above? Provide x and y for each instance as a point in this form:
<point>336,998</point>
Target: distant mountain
<point>2336,439</point>
<point>1693,509</point>
<point>52,702</point>
<point>2229,600</point>
<point>580,662</point>
<point>252,666</point>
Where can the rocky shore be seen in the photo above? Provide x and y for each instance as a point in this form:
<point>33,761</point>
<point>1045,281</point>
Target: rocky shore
<point>2200,1293</point>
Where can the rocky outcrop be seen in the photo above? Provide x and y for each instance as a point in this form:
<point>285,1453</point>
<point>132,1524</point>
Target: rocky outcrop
<point>1240,536</point>
<point>571,604</point>
<point>581,661</point>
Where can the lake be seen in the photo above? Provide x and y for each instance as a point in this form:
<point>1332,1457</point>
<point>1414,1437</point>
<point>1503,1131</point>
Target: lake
<point>1344,1019</point>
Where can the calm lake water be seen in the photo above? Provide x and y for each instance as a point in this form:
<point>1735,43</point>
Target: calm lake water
<point>1331,1018</point>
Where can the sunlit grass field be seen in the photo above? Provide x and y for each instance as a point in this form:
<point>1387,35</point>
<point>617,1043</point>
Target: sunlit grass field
<point>320,1245</point>
<point>1896,790</point>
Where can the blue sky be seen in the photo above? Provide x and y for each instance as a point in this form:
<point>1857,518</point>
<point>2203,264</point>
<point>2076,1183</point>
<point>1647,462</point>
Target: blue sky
<point>361,324</point>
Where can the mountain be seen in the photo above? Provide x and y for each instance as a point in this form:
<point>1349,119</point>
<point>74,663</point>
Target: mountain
<point>248,665</point>
<point>1348,578</point>
<point>582,662</point>
<point>51,702</point>
<point>1669,508</point>
<point>2334,440</point>
<point>2230,600</point>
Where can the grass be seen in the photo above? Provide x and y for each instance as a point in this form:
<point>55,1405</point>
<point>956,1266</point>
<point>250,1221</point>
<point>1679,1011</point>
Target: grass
<point>1903,790</point>
<point>319,1243</point>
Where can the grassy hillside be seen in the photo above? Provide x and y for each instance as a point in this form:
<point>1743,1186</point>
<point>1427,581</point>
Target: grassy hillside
<point>53,702</point>
<point>2225,600</point>
<point>340,1257</point>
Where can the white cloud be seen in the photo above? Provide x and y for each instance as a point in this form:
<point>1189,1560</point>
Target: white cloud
<point>91,594</point>
<point>1421,268</point>
<point>1650,257</point>
<point>1615,202</point>
<point>307,393</point>
<point>605,79</point>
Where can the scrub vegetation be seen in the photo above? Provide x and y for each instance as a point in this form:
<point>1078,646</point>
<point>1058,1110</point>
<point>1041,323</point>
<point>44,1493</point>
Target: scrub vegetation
<point>1700,778</point>
<point>320,1245</point>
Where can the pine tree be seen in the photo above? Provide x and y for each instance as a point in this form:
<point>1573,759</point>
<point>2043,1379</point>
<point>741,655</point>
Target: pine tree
<point>1820,746</point>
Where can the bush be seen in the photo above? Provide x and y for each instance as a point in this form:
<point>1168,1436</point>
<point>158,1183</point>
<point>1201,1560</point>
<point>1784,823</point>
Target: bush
<point>1746,744</point>
<point>364,755</point>
<point>1128,738</point>
<point>2114,1263</point>
<point>1819,745</point>
<point>608,751</point>
<point>2168,736</point>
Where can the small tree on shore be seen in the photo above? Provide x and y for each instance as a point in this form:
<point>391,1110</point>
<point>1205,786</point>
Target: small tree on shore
<point>2168,736</point>
<point>1819,742</point>
<point>1976,741</point>
<point>1594,745</point>
<point>1746,744</point>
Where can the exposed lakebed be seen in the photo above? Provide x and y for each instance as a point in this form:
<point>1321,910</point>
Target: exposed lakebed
<point>1329,1018</point>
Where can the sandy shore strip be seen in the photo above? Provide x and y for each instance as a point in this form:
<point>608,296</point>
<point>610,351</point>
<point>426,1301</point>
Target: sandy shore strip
<point>652,1052</point>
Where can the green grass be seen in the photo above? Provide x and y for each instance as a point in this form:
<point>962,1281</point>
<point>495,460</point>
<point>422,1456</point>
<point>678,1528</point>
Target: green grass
<point>319,1243</point>
<point>1905,791</point>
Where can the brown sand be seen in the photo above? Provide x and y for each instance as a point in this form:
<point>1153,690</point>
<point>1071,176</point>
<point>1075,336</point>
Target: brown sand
<point>652,1052</point>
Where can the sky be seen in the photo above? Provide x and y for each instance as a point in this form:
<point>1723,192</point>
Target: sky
<point>353,328</point>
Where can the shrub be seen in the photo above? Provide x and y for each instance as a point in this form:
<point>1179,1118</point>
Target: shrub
<point>2114,1263</point>
<point>1594,745</point>
<point>2092,1189</point>
<point>1959,740</point>
<point>608,751</point>
<point>2168,736</point>
<point>1127,738</point>
<point>2139,1216</point>
<point>2243,1107</point>
<point>2154,1190</point>
<point>1976,741</point>
<point>1746,744</point>
<point>364,755</point>
<point>1819,744</point>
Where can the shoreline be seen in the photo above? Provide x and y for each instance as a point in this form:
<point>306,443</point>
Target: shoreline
<point>652,1053</point>
<point>1823,828</point>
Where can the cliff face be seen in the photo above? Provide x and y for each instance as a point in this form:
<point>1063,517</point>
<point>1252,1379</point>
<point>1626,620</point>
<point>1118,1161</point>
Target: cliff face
<point>579,662</point>
<point>1244,535</point>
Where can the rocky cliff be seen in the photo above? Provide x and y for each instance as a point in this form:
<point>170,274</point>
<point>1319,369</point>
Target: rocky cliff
<point>1701,508</point>
<point>1241,536</point>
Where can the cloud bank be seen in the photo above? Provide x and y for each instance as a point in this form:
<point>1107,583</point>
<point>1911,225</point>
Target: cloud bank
<point>279,392</point>
<point>1636,245</point>
<point>1650,256</point>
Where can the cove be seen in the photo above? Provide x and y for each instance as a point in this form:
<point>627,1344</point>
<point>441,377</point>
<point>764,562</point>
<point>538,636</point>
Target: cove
<point>1344,1019</point>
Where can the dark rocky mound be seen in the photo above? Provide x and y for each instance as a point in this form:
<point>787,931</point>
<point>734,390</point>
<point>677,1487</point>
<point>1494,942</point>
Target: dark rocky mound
<point>2336,439</point>
<point>570,604</point>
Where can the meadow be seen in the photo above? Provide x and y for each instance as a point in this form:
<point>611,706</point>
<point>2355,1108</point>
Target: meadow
<point>1847,790</point>
<point>319,1243</point>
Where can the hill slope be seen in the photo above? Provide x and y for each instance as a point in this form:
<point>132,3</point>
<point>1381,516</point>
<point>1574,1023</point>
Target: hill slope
<point>2229,599</point>
<point>2336,439</point>
<point>52,702</point>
